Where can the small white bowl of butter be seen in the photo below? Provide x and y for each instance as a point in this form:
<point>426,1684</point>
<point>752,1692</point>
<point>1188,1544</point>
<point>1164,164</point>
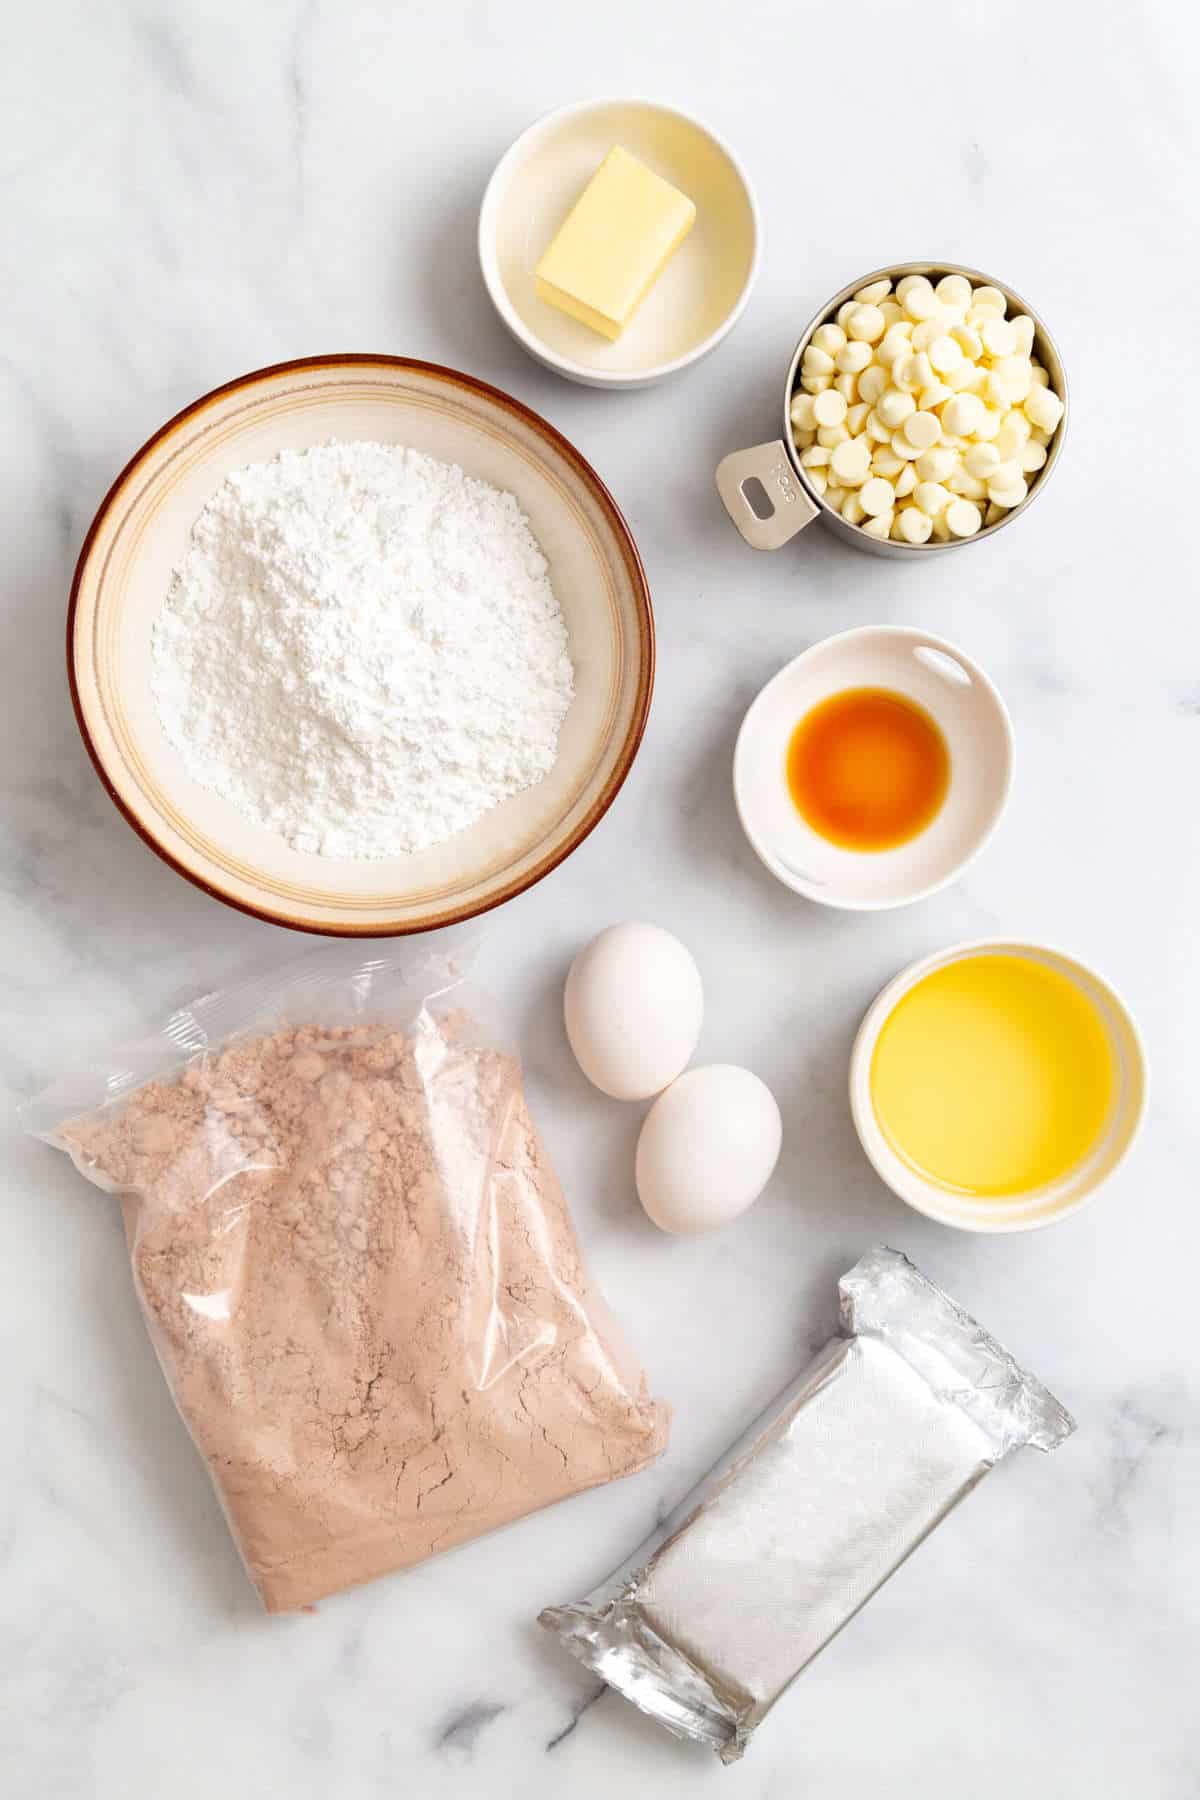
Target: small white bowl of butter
<point>704,284</point>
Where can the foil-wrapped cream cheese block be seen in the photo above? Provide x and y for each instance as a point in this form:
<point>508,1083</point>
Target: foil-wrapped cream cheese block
<point>811,1510</point>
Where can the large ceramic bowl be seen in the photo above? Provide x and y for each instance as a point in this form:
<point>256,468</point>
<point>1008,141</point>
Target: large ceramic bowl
<point>140,534</point>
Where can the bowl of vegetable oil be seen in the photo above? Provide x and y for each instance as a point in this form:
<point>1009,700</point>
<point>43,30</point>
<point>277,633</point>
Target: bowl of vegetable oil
<point>996,1085</point>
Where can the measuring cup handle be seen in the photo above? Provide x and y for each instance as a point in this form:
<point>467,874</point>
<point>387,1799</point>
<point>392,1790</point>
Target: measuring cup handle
<point>790,508</point>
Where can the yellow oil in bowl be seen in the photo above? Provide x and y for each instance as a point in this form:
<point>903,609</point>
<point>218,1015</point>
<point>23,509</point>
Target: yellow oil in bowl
<point>994,1075</point>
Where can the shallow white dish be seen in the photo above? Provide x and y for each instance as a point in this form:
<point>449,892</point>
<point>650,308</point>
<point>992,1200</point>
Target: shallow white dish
<point>978,733</point>
<point>1040,1206</point>
<point>701,293</point>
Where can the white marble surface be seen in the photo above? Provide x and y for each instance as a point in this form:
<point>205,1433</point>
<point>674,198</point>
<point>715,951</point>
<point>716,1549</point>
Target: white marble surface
<point>193,188</point>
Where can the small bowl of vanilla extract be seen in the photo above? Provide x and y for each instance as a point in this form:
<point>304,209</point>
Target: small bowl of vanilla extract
<point>873,768</point>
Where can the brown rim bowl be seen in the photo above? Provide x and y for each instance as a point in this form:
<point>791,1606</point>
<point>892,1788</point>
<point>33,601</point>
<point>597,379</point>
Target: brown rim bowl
<point>141,532</point>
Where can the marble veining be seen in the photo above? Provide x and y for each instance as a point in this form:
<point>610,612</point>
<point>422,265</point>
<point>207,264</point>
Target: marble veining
<point>194,188</point>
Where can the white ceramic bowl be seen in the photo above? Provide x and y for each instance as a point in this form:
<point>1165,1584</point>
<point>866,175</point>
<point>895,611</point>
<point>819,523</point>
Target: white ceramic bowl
<point>701,293</point>
<point>140,535</point>
<point>978,732</point>
<point>1040,1206</point>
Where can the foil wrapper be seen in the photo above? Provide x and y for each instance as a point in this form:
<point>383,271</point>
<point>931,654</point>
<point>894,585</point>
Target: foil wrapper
<point>810,1511</point>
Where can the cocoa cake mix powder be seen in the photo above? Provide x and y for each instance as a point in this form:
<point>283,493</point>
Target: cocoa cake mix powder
<point>363,1285</point>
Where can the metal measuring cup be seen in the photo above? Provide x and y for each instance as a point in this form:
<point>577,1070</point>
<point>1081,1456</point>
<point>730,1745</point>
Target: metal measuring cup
<point>784,501</point>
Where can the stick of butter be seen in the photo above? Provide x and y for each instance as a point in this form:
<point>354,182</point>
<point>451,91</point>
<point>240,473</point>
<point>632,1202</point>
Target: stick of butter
<point>614,244</point>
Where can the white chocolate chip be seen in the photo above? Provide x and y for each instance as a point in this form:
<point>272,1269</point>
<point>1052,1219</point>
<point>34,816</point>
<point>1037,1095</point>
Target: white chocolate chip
<point>990,299</point>
<point>918,298</point>
<point>963,518</point>
<point>922,429</point>
<point>1007,493</point>
<point>1033,458</point>
<point>872,383</point>
<point>878,527</point>
<point>931,398</point>
<point>829,337</point>
<point>815,457</point>
<point>853,509</point>
<point>801,411</point>
<point>818,361</point>
<point>847,387</point>
<point>966,486</point>
<point>894,345</point>
<point>961,415</point>
<point>929,330</point>
<point>878,496</point>
<point>945,353</point>
<point>954,291</point>
<point>936,464</point>
<point>832,435</point>
<point>1009,441</point>
<point>819,480</point>
<point>894,407</point>
<point>980,460</point>
<point>999,337</point>
<point>1024,329</point>
<point>886,462</point>
<point>904,373</point>
<point>916,527</point>
<point>802,439</point>
<point>904,446</point>
<point>1014,374</point>
<point>852,462</point>
<point>856,417</point>
<point>874,292</point>
<point>844,310</point>
<point>966,377</point>
<point>1043,408</point>
<point>853,358</point>
<point>932,497</point>
<point>866,324</point>
<point>876,430</point>
<point>816,384</point>
<point>829,408</point>
<point>906,481</point>
<point>914,373</point>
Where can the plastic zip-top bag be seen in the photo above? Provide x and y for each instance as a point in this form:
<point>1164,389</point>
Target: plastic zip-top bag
<point>357,1267</point>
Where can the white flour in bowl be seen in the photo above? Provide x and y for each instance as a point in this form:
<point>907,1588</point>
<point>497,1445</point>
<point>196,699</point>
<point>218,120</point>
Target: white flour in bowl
<point>362,650</point>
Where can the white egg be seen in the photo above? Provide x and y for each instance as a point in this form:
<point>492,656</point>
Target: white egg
<point>633,1007</point>
<point>708,1148</point>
